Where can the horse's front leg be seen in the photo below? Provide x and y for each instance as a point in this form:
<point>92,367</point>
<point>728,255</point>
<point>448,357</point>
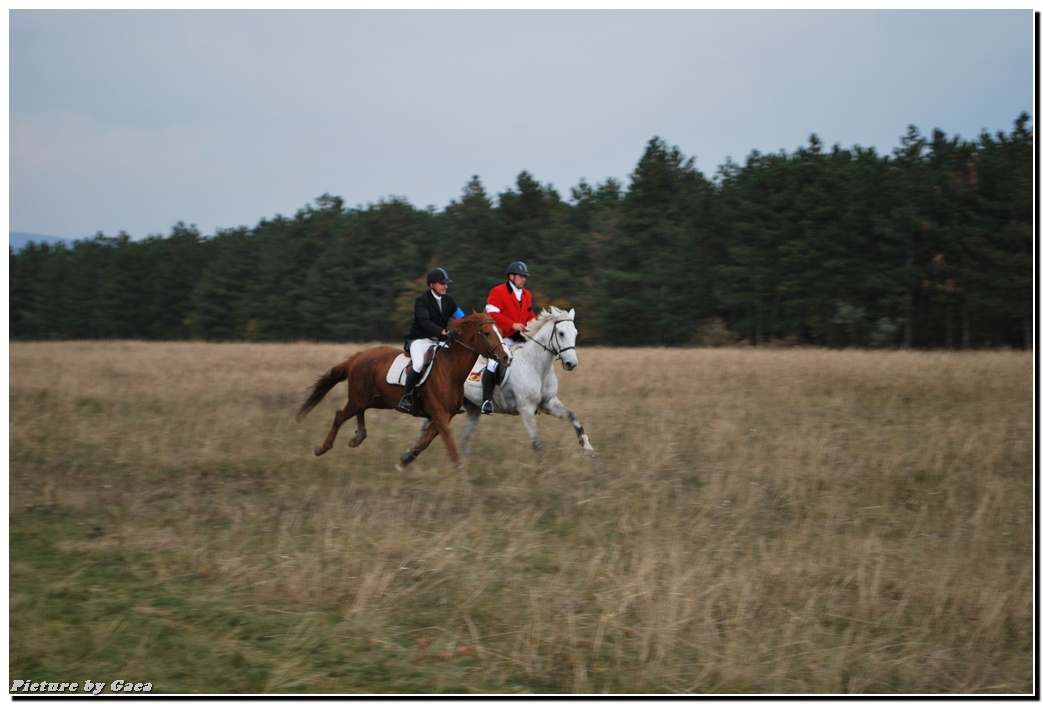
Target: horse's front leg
<point>441,421</point>
<point>474,414</point>
<point>528,416</point>
<point>557,409</point>
<point>428,431</point>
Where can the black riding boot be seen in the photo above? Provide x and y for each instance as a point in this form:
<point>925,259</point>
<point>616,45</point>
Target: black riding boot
<point>406,404</point>
<point>488,384</point>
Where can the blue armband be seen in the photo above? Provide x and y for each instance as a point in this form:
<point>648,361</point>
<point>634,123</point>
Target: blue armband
<point>458,314</point>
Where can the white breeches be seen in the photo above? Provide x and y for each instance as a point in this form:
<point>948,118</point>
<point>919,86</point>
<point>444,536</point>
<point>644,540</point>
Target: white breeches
<point>417,350</point>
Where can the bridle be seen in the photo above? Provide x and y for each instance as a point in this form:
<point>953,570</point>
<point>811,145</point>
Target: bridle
<point>556,354</point>
<point>489,352</point>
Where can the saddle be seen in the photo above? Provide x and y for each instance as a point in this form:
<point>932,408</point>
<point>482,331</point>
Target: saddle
<point>396,375</point>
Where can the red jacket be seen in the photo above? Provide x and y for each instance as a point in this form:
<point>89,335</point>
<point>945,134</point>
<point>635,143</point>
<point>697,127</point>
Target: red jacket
<point>508,310</point>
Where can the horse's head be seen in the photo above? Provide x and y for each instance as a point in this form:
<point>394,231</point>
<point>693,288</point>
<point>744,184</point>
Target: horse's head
<point>559,335</point>
<point>479,332</point>
<point>565,334</point>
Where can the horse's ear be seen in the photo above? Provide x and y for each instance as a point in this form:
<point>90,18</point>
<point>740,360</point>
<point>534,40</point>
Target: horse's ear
<point>474,312</point>
<point>572,314</point>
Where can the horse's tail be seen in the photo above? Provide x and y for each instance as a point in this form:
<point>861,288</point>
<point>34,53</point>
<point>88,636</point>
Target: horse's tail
<point>322,386</point>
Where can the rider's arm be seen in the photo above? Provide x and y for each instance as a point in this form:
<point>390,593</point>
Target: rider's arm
<point>494,307</point>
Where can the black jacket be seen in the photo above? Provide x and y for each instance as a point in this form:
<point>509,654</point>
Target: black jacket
<point>428,320</point>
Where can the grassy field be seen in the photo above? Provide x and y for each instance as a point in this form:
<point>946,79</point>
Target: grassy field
<point>787,521</point>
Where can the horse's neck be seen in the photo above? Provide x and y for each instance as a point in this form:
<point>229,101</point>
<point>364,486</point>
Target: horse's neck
<point>537,350</point>
<point>460,361</point>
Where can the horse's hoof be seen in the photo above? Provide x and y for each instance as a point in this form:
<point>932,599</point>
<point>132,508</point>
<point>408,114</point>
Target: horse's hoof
<point>320,450</point>
<point>354,443</point>
<point>400,467</point>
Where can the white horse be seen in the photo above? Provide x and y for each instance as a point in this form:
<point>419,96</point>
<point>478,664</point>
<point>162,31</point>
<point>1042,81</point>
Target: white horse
<point>530,385</point>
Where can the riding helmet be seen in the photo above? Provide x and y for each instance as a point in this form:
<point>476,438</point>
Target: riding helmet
<point>438,276</point>
<point>517,268</point>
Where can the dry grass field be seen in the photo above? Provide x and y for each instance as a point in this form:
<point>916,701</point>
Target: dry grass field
<point>756,521</point>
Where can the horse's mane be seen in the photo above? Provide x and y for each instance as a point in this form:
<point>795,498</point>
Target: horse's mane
<point>548,315</point>
<point>474,318</point>
<point>471,321</point>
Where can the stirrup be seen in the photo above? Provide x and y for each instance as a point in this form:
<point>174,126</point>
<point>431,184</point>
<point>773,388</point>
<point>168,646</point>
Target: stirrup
<point>487,408</point>
<point>406,404</point>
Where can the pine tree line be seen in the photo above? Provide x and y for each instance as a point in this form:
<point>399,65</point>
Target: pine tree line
<point>929,247</point>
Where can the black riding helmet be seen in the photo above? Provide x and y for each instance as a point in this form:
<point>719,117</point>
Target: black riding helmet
<point>517,268</point>
<point>438,276</point>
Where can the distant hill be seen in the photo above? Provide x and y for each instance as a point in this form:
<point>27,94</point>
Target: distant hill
<point>18,240</point>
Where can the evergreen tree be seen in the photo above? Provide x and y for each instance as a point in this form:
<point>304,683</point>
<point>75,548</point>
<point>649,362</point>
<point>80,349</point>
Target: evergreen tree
<point>824,257</point>
<point>221,299</point>
<point>596,215</point>
<point>655,284</point>
<point>172,267</point>
<point>753,204</point>
<point>384,255</point>
<point>911,225</point>
<point>1000,250</point>
<point>324,308</point>
<point>470,250</point>
<point>529,231</point>
<point>38,280</point>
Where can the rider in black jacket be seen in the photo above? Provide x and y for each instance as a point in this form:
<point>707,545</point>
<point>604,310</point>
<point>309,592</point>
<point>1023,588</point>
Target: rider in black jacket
<point>432,312</point>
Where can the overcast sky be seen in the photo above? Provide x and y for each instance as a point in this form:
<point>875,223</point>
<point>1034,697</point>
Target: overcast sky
<point>132,121</point>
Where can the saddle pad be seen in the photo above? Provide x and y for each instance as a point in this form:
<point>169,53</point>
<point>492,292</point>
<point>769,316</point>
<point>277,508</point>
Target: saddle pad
<point>396,375</point>
<point>475,376</point>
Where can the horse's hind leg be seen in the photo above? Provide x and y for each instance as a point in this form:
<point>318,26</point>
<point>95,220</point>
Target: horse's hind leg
<point>343,415</point>
<point>360,431</point>
<point>557,409</point>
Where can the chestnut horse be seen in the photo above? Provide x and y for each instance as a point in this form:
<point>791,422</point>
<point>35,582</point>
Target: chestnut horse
<point>438,399</point>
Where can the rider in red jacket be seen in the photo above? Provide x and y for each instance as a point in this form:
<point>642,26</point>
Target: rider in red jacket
<point>510,305</point>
